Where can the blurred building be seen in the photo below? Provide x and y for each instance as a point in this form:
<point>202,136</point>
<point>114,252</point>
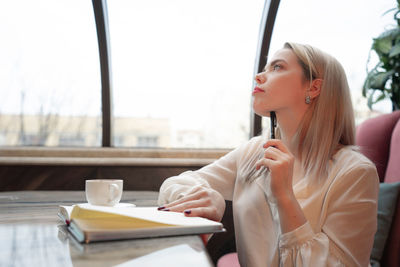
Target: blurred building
<point>56,130</point>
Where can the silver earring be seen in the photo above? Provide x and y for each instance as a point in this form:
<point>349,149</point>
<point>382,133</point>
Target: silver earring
<point>308,100</point>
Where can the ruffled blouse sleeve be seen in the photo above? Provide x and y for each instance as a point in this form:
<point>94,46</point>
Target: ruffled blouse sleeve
<point>349,221</point>
<point>219,175</point>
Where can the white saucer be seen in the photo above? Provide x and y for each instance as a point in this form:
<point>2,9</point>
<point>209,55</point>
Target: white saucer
<point>119,205</point>
<point>124,205</point>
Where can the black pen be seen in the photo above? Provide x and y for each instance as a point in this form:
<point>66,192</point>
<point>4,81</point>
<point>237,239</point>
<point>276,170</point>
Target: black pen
<point>273,124</point>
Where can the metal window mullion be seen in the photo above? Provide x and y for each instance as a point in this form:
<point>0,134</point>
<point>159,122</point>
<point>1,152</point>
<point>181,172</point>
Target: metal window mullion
<point>264,41</point>
<point>103,37</point>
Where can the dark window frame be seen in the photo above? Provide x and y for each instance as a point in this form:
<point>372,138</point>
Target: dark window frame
<point>264,41</point>
<point>103,36</point>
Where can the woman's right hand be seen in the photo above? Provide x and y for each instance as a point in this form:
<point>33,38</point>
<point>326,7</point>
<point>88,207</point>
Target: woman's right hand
<point>199,202</point>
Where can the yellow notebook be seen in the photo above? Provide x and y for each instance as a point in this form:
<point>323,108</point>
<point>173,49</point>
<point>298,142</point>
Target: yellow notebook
<point>97,223</point>
<point>64,212</point>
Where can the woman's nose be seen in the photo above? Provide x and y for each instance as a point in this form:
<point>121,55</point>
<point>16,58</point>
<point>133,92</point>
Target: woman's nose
<point>260,79</point>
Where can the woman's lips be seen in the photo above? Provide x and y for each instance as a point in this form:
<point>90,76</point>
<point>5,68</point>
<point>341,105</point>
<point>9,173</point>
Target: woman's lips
<point>258,90</point>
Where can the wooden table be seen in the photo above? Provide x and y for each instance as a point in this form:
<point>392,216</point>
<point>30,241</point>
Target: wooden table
<point>32,235</point>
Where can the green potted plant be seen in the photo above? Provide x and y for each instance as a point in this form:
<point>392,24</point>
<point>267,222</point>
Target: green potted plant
<point>383,81</point>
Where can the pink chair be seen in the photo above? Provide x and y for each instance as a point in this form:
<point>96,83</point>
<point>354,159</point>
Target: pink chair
<point>229,260</point>
<point>379,140</point>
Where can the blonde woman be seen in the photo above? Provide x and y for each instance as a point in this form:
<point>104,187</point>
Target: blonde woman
<point>313,201</point>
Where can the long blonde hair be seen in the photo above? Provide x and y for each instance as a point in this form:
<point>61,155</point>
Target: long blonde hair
<point>328,124</point>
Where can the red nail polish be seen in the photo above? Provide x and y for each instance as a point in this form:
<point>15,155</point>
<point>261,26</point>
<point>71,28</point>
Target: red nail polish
<point>161,208</point>
<point>187,211</point>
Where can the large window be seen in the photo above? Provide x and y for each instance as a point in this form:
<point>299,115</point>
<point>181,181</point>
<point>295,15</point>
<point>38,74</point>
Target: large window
<point>184,68</point>
<point>49,74</point>
<point>181,70</point>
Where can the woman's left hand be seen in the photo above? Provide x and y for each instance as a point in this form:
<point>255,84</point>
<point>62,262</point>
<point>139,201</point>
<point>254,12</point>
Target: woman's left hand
<point>280,161</point>
<point>200,201</point>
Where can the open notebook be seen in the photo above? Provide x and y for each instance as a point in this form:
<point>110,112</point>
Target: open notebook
<point>97,223</point>
<point>64,212</point>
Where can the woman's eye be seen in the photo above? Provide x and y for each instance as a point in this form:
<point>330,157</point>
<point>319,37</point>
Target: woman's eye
<point>276,67</point>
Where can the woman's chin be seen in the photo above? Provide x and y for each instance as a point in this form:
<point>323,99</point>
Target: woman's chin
<point>262,113</point>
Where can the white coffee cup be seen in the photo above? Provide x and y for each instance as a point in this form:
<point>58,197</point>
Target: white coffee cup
<point>104,192</point>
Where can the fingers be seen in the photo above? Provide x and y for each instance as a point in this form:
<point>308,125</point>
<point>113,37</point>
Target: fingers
<point>205,212</point>
<point>270,154</point>
<point>277,144</point>
<point>264,162</point>
<point>194,194</point>
<point>190,204</point>
<point>199,202</point>
<point>276,153</point>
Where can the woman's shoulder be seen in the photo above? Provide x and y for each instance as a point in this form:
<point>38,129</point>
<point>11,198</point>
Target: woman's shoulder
<point>352,177</point>
<point>352,157</point>
<point>349,162</point>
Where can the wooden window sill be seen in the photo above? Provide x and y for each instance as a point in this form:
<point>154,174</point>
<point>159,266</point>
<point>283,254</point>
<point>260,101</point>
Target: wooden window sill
<point>108,156</point>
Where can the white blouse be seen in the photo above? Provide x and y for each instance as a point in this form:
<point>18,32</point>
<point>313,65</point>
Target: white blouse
<point>341,211</point>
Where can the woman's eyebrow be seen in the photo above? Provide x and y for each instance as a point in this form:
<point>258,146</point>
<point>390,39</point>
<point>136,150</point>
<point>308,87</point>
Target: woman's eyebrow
<point>273,62</point>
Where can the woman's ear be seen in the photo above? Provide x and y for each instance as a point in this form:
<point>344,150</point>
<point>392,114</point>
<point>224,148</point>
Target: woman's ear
<point>315,89</point>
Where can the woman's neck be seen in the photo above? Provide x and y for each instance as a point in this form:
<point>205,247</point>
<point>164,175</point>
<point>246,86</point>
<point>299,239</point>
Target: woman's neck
<point>288,125</point>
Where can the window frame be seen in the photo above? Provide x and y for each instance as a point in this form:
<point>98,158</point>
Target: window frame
<point>264,40</point>
<point>103,40</point>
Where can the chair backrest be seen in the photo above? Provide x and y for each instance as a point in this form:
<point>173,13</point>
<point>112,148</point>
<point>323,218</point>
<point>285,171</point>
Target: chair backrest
<point>379,140</point>
<point>380,143</point>
<point>393,168</point>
